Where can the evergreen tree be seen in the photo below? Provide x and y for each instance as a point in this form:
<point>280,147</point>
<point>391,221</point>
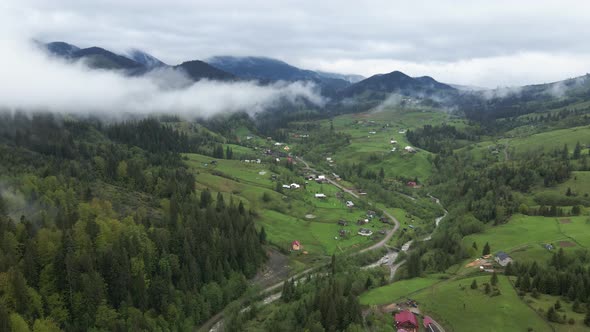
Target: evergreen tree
<point>474,245</point>
<point>262,235</point>
<point>577,151</point>
<point>486,249</point>
<point>474,284</point>
<point>494,279</point>
<point>488,288</point>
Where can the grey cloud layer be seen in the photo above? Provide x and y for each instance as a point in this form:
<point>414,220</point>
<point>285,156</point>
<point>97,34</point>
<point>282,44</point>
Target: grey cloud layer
<point>33,81</point>
<point>467,42</point>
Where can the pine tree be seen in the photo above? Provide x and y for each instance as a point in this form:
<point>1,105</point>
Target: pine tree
<point>474,245</point>
<point>508,269</point>
<point>262,235</point>
<point>474,284</point>
<point>577,151</point>
<point>494,279</point>
<point>557,305</point>
<point>488,288</point>
<point>486,249</point>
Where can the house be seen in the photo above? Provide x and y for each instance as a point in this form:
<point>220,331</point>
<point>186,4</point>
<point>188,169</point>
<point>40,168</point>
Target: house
<point>365,232</point>
<point>320,196</point>
<point>286,186</point>
<point>392,141</point>
<point>410,149</point>
<point>371,213</point>
<point>342,222</point>
<point>295,186</point>
<point>278,144</point>
<point>329,159</point>
<point>249,137</point>
<point>286,148</point>
<point>384,220</point>
<point>295,245</point>
<point>502,258</point>
<point>342,232</point>
<point>362,221</point>
<point>310,177</point>
<point>412,184</point>
<point>321,178</point>
<point>372,132</point>
<point>394,149</point>
<point>407,321</point>
<point>548,246</point>
<point>258,161</point>
<point>349,204</point>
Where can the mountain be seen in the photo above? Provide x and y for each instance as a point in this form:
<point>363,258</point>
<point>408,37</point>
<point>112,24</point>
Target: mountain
<point>398,82</point>
<point>352,78</point>
<point>61,49</point>
<point>148,60</point>
<point>261,68</point>
<point>197,70</point>
<point>99,58</point>
<point>269,70</point>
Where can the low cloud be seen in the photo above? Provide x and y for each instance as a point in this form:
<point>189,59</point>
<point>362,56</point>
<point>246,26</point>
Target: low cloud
<point>33,81</point>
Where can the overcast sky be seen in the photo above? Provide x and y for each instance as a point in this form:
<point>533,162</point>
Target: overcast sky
<point>483,43</point>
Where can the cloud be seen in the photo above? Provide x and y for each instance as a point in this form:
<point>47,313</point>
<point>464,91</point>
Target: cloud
<point>31,80</point>
<point>459,41</point>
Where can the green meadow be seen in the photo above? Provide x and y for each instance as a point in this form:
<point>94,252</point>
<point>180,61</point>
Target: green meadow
<point>294,214</point>
<point>396,290</point>
<point>459,308</point>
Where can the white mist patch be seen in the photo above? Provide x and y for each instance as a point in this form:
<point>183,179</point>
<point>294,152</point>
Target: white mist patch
<point>32,80</point>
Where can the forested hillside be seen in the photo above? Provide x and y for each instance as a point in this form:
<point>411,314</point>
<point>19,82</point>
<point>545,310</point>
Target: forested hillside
<point>101,229</point>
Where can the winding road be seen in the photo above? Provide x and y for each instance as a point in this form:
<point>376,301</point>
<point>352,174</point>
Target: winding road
<point>215,323</point>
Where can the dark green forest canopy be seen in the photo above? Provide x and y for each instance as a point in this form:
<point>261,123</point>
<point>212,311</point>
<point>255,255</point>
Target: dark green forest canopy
<point>80,258</point>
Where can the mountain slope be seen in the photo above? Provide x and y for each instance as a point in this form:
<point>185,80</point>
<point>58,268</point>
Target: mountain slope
<point>198,70</point>
<point>148,60</point>
<point>269,70</point>
<point>398,82</point>
<point>99,58</point>
<point>61,49</point>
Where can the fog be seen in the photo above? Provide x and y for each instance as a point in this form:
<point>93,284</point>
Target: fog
<point>34,81</point>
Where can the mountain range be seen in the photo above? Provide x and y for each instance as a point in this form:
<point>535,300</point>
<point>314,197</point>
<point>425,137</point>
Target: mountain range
<point>340,88</point>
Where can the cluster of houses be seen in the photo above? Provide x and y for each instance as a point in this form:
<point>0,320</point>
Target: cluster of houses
<point>291,186</point>
<point>406,321</point>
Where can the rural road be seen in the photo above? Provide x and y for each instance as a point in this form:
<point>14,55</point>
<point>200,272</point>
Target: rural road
<point>214,323</point>
<point>355,195</point>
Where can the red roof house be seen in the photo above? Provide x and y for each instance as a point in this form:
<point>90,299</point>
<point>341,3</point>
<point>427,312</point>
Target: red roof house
<point>412,184</point>
<point>406,320</point>
<point>296,245</point>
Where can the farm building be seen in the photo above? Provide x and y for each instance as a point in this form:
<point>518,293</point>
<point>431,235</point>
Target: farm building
<point>349,204</point>
<point>407,321</point>
<point>365,232</point>
<point>502,258</point>
<point>286,186</point>
<point>295,186</point>
<point>321,178</point>
<point>410,149</point>
<point>296,245</point>
<point>320,195</point>
<point>392,141</point>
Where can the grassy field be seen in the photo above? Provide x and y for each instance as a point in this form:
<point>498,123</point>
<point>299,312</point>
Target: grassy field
<point>460,308</point>
<point>550,140</point>
<point>396,290</point>
<point>371,134</point>
<point>543,303</point>
<point>523,236</point>
<point>294,214</point>
<point>579,183</point>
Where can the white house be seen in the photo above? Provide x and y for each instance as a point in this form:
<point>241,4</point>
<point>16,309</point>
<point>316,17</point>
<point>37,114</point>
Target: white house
<point>286,186</point>
<point>349,204</point>
<point>393,150</point>
<point>502,258</point>
<point>295,186</point>
<point>393,141</point>
<point>321,178</point>
<point>320,196</point>
<point>410,149</point>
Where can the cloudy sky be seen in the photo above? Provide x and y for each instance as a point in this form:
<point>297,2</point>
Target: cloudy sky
<point>483,43</point>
